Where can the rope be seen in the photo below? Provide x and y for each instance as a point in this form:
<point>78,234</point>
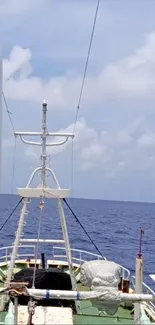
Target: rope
<point>13,129</point>
<point>76,218</point>
<point>11,214</point>
<point>86,64</point>
<point>74,215</point>
<point>9,113</point>
<point>37,246</point>
<point>72,169</point>
<point>31,304</point>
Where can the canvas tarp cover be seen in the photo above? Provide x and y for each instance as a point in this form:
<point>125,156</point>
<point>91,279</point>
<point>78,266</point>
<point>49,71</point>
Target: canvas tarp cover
<point>102,275</point>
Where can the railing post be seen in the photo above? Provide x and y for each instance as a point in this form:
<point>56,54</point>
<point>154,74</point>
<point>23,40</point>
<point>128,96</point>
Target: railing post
<point>6,254</point>
<point>80,257</point>
<point>34,250</point>
<point>15,310</point>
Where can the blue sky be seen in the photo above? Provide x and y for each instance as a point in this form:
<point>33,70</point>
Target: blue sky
<point>44,49</point>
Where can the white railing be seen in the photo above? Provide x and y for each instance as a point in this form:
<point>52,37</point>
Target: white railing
<point>7,251</point>
<point>125,273</point>
<point>58,252</point>
<point>77,255</point>
<point>80,254</point>
<point>145,289</point>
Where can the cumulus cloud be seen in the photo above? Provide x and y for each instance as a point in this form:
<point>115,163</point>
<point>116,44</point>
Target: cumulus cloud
<point>147,140</point>
<point>108,152</point>
<point>15,14</point>
<point>15,7</point>
<point>131,78</point>
<point>17,61</point>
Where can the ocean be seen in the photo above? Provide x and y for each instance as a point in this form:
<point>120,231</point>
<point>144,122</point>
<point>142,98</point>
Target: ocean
<point>112,225</point>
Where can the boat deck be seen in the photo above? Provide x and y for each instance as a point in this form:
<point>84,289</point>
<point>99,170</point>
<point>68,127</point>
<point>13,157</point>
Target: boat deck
<point>91,315</point>
<point>46,315</point>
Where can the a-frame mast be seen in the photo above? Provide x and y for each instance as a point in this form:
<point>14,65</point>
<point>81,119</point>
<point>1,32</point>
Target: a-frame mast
<point>43,191</point>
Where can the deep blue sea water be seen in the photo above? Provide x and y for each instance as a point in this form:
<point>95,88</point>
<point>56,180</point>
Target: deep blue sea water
<point>113,226</point>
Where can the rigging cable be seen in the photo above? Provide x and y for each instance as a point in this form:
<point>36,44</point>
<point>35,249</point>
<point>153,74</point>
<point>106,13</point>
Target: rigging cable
<point>72,168</point>
<point>41,206</point>
<point>76,218</point>
<point>13,129</point>
<point>11,214</point>
<point>82,86</point>
<point>86,64</point>
<point>9,113</point>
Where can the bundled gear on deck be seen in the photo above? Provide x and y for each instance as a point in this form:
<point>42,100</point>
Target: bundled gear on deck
<point>52,279</point>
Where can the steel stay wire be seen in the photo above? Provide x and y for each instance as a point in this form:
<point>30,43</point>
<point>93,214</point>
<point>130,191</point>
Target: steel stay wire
<point>5,222</point>
<point>86,64</point>
<point>76,218</point>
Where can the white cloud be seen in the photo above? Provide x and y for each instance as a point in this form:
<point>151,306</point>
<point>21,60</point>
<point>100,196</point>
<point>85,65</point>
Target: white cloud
<point>8,143</point>
<point>111,154</point>
<point>15,9</point>
<point>147,140</point>
<point>13,14</point>
<point>17,61</point>
<point>131,78</point>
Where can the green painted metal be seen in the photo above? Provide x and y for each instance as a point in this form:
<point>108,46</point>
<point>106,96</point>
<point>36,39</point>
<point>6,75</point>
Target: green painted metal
<point>9,319</point>
<point>90,315</point>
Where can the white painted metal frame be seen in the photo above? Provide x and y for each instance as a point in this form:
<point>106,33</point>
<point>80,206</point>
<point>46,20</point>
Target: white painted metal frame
<point>152,276</point>
<point>145,288</point>
<point>48,241</point>
<point>43,191</point>
<point>7,255</point>
<point>138,288</point>
<point>90,295</point>
<point>78,255</point>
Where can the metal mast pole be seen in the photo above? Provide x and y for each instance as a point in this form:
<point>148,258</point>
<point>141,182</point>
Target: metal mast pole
<point>40,192</point>
<point>43,155</point>
<point>1,116</point>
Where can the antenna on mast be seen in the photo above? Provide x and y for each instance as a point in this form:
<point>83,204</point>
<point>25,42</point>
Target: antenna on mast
<point>43,155</point>
<point>140,243</point>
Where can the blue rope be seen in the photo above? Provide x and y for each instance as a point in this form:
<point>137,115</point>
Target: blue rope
<point>78,296</point>
<point>47,294</point>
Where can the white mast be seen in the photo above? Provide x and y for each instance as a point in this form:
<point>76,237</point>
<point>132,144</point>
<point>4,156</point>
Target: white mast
<point>40,192</point>
<point>43,156</point>
<point>1,116</point>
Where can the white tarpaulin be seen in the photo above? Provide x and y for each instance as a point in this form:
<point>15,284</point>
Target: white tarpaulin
<point>103,276</point>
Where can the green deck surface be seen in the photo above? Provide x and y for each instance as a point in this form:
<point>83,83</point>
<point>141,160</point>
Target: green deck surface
<point>90,315</point>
